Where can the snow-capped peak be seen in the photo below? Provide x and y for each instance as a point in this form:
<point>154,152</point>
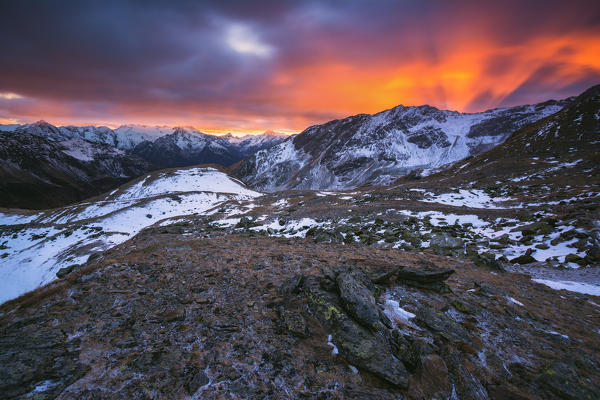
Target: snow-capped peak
<point>378,148</point>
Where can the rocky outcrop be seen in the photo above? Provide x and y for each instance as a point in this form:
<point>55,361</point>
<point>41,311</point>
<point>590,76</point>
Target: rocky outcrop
<point>344,302</point>
<point>356,344</point>
<point>426,278</point>
<point>358,299</point>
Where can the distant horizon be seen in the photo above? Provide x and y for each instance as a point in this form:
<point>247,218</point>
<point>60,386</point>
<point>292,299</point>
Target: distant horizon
<point>114,127</point>
<point>241,132</point>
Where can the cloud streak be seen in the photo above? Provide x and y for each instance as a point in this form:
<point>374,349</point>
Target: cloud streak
<point>286,64</point>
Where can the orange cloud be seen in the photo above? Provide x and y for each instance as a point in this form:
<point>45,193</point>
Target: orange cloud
<point>461,73</point>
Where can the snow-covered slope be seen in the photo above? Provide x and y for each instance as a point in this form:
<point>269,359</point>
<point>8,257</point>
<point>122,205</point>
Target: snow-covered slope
<point>87,151</point>
<point>32,254</point>
<point>250,144</point>
<point>46,131</point>
<point>376,149</point>
<point>130,136</point>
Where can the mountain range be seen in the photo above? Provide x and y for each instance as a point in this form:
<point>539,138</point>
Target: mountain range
<point>376,149</point>
<point>39,173</point>
<point>165,146</point>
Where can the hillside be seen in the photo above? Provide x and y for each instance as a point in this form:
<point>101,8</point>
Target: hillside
<point>37,173</point>
<point>376,149</point>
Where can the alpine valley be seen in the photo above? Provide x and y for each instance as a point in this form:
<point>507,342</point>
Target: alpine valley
<point>416,253</point>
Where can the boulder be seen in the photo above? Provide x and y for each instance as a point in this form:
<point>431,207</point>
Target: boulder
<point>524,259</point>
<point>574,258</point>
<point>358,300</point>
<point>537,228</point>
<point>358,345</point>
<point>445,241</point>
<point>431,278</point>
<point>66,270</point>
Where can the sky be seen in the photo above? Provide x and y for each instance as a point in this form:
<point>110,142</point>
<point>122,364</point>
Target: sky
<point>249,66</point>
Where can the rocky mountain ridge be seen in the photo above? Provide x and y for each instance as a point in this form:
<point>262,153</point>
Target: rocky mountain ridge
<point>376,149</point>
<point>164,146</point>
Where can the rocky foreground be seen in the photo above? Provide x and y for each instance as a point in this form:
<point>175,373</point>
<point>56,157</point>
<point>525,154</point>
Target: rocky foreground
<point>181,312</point>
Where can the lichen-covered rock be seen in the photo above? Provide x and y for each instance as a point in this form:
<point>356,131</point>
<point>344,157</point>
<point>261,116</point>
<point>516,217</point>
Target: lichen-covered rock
<point>443,325</point>
<point>295,323</point>
<point>356,344</point>
<point>560,380</point>
<point>358,300</point>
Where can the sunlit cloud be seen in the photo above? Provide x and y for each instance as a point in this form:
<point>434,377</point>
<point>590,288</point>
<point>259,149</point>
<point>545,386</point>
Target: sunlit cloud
<point>10,96</point>
<point>243,40</point>
<point>9,121</point>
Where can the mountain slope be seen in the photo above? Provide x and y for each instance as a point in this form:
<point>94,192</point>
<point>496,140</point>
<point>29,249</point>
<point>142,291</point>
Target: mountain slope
<point>186,147</point>
<point>250,144</point>
<point>564,146</point>
<point>39,173</point>
<point>375,149</point>
<point>32,254</point>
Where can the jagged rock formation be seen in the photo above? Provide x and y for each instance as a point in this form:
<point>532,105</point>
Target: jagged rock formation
<point>376,149</point>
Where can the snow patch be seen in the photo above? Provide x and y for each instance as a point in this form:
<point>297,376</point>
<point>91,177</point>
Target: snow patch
<point>578,287</point>
<point>515,301</point>
<point>472,198</point>
<point>334,349</point>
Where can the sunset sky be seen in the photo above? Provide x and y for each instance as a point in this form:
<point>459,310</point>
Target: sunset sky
<point>248,66</point>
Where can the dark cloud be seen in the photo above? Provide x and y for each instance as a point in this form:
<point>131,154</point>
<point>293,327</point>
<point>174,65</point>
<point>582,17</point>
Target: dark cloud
<point>269,59</point>
<point>541,85</point>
